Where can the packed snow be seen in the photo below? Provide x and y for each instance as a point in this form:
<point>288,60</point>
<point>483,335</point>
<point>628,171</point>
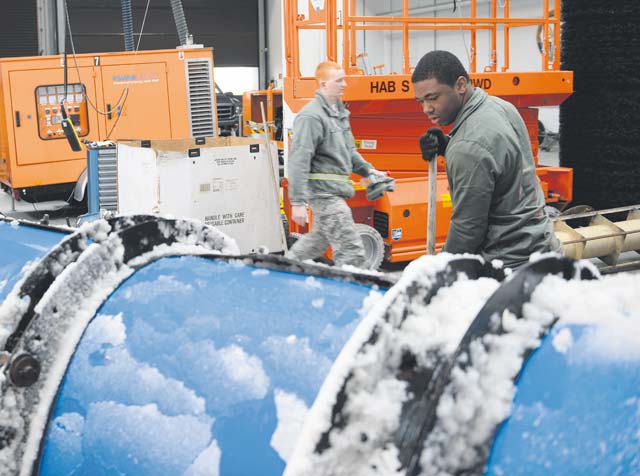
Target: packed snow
<point>370,370</point>
<point>358,439</point>
<point>102,363</point>
<point>168,449</point>
<point>291,413</point>
<point>563,340</point>
<point>479,395</point>
<point>610,306</point>
<point>295,360</point>
<point>148,292</point>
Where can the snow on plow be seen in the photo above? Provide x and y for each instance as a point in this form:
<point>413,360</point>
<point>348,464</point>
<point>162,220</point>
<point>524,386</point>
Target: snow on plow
<point>426,384</point>
<point>146,346</point>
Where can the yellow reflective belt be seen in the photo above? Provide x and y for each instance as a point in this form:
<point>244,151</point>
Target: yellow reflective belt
<point>332,177</point>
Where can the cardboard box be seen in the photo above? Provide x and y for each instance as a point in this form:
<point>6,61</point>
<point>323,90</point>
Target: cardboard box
<point>227,182</point>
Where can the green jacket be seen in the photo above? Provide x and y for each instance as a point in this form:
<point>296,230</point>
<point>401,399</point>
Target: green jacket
<point>498,204</point>
<point>322,144</point>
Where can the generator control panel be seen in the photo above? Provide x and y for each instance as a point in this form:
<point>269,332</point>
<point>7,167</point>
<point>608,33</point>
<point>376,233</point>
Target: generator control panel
<point>49,100</point>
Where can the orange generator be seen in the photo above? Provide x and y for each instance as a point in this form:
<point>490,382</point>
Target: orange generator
<point>386,120</point>
<point>109,96</point>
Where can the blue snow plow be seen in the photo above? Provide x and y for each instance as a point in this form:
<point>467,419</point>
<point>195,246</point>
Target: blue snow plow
<point>147,346</point>
<point>465,371</point>
<point>20,245</point>
<point>138,346</point>
<point>576,410</point>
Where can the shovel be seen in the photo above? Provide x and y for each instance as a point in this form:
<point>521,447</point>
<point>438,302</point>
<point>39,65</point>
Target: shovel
<point>433,176</point>
<point>431,204</point>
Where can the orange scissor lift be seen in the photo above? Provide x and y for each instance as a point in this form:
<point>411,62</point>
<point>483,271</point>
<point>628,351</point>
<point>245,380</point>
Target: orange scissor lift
<point>387,122</point>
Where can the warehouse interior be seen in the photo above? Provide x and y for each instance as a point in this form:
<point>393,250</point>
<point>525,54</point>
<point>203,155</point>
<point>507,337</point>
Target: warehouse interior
<point>157,315</point>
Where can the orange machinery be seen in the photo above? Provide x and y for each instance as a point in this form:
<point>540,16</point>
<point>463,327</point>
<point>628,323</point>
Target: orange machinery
<point>387,121</point>
<point>145,95</point>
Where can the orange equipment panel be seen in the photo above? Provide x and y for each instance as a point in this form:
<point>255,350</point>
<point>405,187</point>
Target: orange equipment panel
<point>48,102</point>
<point>162,94</point>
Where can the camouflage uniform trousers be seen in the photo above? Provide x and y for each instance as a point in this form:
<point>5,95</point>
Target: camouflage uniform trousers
<point>332,225</point>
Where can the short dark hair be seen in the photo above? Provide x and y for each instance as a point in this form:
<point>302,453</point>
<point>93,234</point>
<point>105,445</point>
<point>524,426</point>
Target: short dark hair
<point>445,67</point>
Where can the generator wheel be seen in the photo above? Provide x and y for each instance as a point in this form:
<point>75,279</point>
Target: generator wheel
<point>373,245</point>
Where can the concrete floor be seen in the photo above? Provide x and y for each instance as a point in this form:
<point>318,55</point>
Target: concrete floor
<point>56,212</point>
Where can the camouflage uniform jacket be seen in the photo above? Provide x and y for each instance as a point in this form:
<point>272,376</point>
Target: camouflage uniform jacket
<point>498,204</point>
<point>323,153</point>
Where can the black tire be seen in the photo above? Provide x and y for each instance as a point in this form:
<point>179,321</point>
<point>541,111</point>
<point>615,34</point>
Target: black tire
<point>542,133</point>
<point>81,207</point>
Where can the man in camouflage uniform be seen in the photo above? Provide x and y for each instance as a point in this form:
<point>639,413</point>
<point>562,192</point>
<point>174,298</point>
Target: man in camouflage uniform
<point>323,156</point>
<point>498,204</point>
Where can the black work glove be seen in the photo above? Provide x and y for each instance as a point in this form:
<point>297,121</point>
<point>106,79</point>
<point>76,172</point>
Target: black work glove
<point>433,143</point>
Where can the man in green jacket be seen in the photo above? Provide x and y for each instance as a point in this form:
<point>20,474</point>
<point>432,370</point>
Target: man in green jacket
<point>498,204</point>
<point>323,156</point>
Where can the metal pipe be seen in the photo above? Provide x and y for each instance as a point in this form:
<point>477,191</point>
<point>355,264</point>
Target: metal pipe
<point>545,35</point>
<point>406,66</point>
<point>352,34</point>
<point>505,11</point>
<point>556,35</point>
<point>494,40</point>
<point>291,38</point>
<point>61,20</point>
<point>435,8</point>
<point>127,24</point>
<point>474,39</point>
<point>398,27</point>
<point>47,27</point>
<point>262,47</point>
<point>454,21</point>
<point>602,238</point>
<point>332,30</point>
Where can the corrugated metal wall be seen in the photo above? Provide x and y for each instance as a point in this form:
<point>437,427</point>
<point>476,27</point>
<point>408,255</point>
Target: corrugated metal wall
<point>229,26</point>
<point>18,28</point>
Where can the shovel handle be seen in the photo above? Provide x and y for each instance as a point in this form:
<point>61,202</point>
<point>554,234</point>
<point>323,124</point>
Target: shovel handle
<point>431,204</point>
